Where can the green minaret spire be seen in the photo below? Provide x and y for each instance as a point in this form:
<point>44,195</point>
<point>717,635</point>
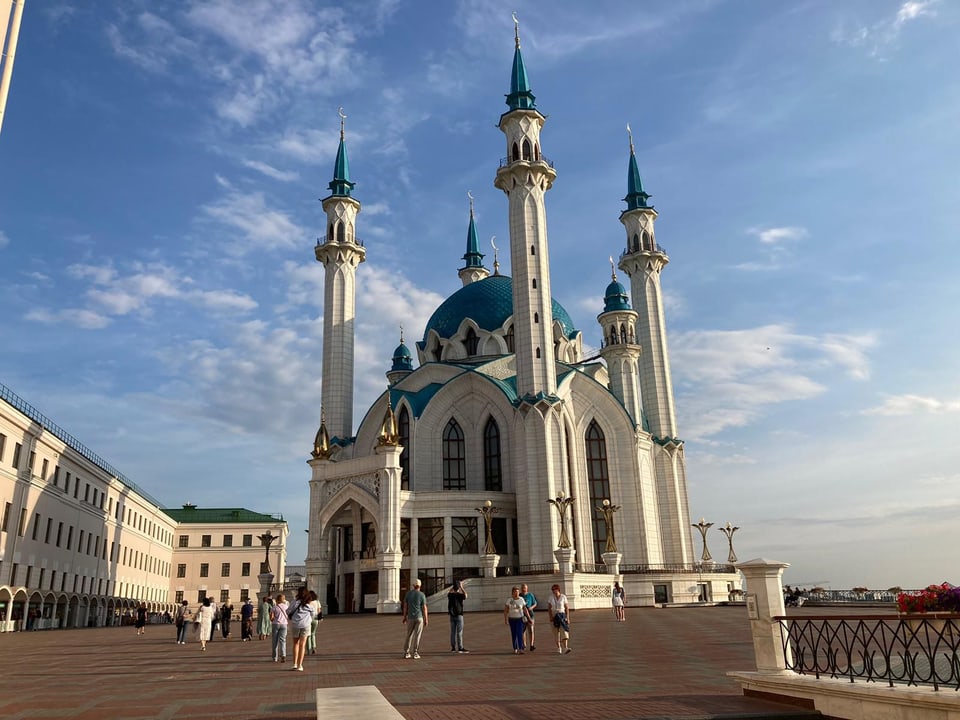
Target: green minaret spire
<point>636,197</point>
<point>520,97</point>
<point>341,186</point>
<point>473,256</point>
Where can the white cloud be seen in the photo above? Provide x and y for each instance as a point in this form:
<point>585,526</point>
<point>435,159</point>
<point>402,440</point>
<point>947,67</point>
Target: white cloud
<point>912,10</point>
<point>86,319</point>
<point>883,34</point>
<point>270,171</point>
<point>778,234</point>
<point>262,228</point>
<point>4,240</point>
<point>897,405</point>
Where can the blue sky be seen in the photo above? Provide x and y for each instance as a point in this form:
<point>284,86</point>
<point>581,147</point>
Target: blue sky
<point>158,210</point>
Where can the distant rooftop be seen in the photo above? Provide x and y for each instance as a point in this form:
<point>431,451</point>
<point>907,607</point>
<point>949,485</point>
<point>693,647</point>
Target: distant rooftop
<point>193,514</point>
<point>18,403</point>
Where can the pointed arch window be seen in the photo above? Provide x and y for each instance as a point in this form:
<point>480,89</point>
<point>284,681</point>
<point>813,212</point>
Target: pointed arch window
<point>533,250</point>
<point>492,467</point>
<point>403,437</point>
<point>534,283</point>
<point>454,458</point>
<point>509,339</point>
<point>536,318</point>
<point>527,154</point>
<point>598,482</point>
<point>471,342</point>
<point>341,233</point>
<point>516,152</point>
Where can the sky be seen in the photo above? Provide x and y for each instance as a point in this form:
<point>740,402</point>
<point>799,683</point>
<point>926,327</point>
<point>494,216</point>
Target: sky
<point>161,166</point>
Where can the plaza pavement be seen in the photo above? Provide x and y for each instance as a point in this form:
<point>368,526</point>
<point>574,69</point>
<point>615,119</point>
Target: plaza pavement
<point>660,663</point>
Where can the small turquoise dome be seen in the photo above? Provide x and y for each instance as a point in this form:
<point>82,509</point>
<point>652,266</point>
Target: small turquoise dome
<point>615,298</point>
<point>488,302</point>
<point>402,359</point>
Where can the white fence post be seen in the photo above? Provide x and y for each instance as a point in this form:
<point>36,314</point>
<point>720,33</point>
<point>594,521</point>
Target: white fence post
<point>764,598</point>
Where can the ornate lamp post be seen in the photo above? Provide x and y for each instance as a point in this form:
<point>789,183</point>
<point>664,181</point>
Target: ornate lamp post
<point>487,511</point>
<point>607,510</point>
<point>267,540</point>
<point>729,530</point>
<point>703,526</point>
<point>561,503</point>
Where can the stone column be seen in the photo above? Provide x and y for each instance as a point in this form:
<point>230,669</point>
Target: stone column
<point>565,557</point>
<point>488,564</point>
<point>612,560</point>
<point>266,580</point>
<point>764,598</point>
<point>388,593</point>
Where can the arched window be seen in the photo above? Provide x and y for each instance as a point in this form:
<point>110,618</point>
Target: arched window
<point>534,283</point>
<point>492,471</point>
<point>509,339</point>
<point>330,236</point>
<point>613,335</point>
<point>538,353</point>
<point>403,437</point>
<point>533,250</point>
<point>635,244</point>
<point>598,481</point>
<point>341,233</point>
<point>527,154</point>
<point>470,342</point>
<point>516,153</point>
<point>454,459</point>
<point>536,152</point>
<point>536,318</point>
<point>647,240</point>
<point>623,334</point>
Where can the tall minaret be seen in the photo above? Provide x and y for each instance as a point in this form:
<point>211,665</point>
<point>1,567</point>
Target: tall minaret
<point>473,268</point>
<point>620,349</point>
<point>642,262</point>
<point>341,253</point>
<point>525,177</point>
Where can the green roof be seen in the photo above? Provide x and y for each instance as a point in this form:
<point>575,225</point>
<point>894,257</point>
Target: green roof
<point>220,515</point>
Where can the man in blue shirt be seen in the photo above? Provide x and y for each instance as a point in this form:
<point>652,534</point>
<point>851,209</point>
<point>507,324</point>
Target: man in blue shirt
<point>531,601</point>
<point>415,617</point>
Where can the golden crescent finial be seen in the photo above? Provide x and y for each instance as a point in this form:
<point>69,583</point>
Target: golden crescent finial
<point>342,118</point>
<point>613,270</point>
<point>496,262</point>
<point>469,195</point>
<point>516,30</point>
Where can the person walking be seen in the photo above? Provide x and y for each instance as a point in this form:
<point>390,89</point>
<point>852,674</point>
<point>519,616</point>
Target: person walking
<point>455,599</point>
<point>263,618</point>
<point>226,614</point>
<point>184,620</point>
<point>415,617</point>
<point>246,620</point>
<point>514,615</point>
<point>559,610</point>
<point>141,622</point>
<point>278,628</point>
<point>531,600</point>
<point>301,614</point>
<point>317,617</point>
<point>204,621</point>
<point>619,600</point>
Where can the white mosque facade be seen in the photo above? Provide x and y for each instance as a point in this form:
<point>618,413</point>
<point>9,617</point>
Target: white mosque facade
<point>506,455</point>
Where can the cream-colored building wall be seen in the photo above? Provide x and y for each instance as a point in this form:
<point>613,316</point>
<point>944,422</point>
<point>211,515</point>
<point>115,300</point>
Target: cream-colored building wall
<point>243,555</point>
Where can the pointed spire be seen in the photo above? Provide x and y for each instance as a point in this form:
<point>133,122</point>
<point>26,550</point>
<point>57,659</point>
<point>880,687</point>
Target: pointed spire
<point>473,256</point>
<point>321,443</point>
<point>520,96</point>
<point>388,428</point>
<point>613,270</point>
<point>341,185</point>
<point>636,197</point>
<point>496,263</point>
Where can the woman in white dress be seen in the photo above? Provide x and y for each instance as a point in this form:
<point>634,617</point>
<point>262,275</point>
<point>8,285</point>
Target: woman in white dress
<point>204,621</point>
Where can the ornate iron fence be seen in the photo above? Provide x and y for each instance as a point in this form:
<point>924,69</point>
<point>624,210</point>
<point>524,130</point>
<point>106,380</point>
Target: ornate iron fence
<point>916,650</point>
<point>692,568</point>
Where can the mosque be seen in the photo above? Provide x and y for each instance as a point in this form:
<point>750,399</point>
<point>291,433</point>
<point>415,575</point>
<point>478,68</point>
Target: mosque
<point>505,452</point>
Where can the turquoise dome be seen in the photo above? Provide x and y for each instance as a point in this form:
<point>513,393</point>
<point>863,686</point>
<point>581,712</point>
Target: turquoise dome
<point>402,359</point>
<point>615,298</point>
<point>488,302</point>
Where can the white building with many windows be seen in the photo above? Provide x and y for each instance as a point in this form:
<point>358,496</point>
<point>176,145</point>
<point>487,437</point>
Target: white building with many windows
<point>81,545</point>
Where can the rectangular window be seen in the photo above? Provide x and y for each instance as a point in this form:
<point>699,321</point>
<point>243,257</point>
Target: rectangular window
<point>205,541</point>
<point>46,535</point>
<point>44,467</point>
<point>405,535</point>
<point>32,464</point>
<point>43,572</point>
<point>7,507</point>
<point>244,595</point>
<point>36,525</point>
<point>95,496</point>
<point>56,479</point>
<point>53,578</point>
<point>59,533</point>
<point>248,540</point>
<point>224,596</point>
<point>181,570</point>
<point>86,492</point>
<point>245,570</point>
<point>3,445</point>
<point>463,532</point>
<point>69,537</point>
<point>183,541</point>
<point>13,573</point>
<point>17,449</point>
<point>76,490</point>
<point>29,573</point>
<point>89,541</point>
<point>66,483</point>
<point>201,594</point>
<point>63,582</point>
<point>225,570</point>
<point>22,525</point>
<point>430,536</point>
<point>204,569</point>
<point>178,597</point>
<point>76,579</point>
<point>228,540</point>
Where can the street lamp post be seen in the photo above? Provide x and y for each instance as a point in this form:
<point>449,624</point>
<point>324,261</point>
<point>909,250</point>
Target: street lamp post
<point>729,530</point>
<point>488,511</point>
<point>703,526</point>
<point>607,510</point>
<point>561,503</point>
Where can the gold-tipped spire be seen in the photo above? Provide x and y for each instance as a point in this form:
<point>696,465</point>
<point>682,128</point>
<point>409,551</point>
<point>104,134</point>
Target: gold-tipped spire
<point>613,269</point>
<point>496,263</point>
<point>630,135</point>
<point>388,428</point>
<point>516,31</point>
<point>342,118</point>
<point>321,443</point>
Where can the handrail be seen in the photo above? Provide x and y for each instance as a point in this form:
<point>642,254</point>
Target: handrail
<point>545,160</point>
<point>323,240</point>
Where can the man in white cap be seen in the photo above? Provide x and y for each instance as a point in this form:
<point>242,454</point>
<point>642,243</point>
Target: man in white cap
<point>415,617</point>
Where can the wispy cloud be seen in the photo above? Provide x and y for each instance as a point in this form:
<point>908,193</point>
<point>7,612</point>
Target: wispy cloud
<point>775,247</point>
<point>896,405</point>
<point>883,34</point>
<point>261,227</point>
<point>270,171</point>
<point>774,235</point>
<point>4,240</point>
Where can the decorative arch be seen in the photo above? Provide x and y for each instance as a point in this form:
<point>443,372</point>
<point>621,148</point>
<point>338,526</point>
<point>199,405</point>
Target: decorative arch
<point>527,152</point>
<point>403,437</point>
<point>454,457</point>
<point>492,457</point>
<point>350,493</point>
<point>598,483</point>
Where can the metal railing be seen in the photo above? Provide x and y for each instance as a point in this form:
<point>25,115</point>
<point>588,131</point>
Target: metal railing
<point>17,402</point>
<point>545,160</point>
<point>326,238</point>
<point>919,650</point>
<point>840,597</point>
<point>645,247</point>
<point>691,568</point>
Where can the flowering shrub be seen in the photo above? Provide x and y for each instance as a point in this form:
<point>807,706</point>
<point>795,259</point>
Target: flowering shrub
<point>934,598</point>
